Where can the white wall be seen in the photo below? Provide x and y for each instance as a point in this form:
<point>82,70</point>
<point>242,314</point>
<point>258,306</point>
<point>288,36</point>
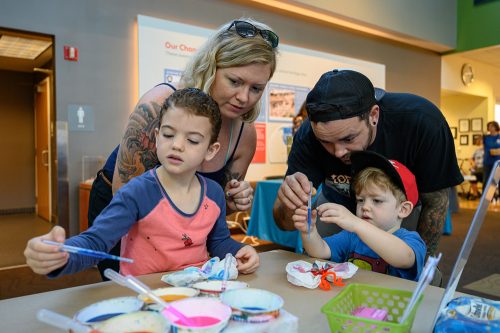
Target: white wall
<point>456,106</point>
<point>476,100</point>
<point>486,80</point>
<point>105,77</point>
<point>427,20</point>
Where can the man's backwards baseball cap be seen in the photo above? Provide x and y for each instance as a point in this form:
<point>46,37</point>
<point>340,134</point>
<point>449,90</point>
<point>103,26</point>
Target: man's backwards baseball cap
<point>340,94</point>
<point>397,172</point>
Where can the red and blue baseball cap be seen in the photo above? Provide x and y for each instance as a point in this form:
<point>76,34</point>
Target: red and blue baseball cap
<point>399,174</point>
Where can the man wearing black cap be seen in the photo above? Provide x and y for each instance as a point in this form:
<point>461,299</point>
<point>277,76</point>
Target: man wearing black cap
<point>347,114</point>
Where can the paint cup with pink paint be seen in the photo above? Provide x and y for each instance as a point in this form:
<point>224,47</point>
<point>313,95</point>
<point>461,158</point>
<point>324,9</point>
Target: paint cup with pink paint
<point>206,315</point>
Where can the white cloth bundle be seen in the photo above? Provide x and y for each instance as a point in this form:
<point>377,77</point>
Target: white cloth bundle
<point>213,269</point>
<point>299,272</point>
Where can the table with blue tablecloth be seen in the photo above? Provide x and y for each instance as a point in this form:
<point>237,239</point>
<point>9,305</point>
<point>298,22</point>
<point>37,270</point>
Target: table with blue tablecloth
<point>262,223</point>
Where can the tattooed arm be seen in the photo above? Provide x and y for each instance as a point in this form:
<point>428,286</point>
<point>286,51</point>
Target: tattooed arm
<point>137,151</point>
<point>432,217</point>
<point>239,193</point>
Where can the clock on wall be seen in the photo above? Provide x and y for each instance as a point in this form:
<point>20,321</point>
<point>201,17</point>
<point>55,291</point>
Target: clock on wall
<point>467,74</point>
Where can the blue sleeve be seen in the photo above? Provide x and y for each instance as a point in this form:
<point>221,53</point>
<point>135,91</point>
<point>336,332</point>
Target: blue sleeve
<point>416,243</point>
<point>219,241</point>
<point>109,166</point>
<point>340,246</point>
<point>108,228</point>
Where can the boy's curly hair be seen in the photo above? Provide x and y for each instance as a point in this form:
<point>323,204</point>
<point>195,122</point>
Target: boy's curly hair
<point>197,103</point>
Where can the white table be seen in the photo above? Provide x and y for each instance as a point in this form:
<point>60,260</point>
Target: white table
<point>18,314</point>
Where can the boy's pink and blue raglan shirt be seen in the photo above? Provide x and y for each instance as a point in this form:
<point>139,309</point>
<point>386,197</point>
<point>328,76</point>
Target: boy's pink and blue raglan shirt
<point>154,232</point>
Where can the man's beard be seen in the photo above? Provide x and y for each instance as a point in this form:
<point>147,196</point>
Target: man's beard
<point>347,158</point>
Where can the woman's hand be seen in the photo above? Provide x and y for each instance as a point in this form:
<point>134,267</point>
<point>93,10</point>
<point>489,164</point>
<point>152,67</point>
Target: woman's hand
<point>44,258</point>
<point>239,195</point>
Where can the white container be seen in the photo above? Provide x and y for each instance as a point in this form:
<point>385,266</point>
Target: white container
<point>214,288</point>
<point>253,305</point>
<point>107,309</point>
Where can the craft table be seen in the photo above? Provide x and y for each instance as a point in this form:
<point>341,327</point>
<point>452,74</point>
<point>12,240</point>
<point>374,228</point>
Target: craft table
<point>19,314</point>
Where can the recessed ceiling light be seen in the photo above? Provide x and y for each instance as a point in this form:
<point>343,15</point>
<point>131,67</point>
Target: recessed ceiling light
<point>24,48</point>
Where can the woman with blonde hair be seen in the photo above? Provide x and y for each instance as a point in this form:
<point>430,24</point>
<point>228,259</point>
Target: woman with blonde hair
<point>233,67</point>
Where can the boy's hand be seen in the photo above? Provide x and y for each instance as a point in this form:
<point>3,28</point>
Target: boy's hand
<point>239,195</point>
<point>247,260</point>
<point>44,258</point>
<point>299,218</point>
<point>338,214</point>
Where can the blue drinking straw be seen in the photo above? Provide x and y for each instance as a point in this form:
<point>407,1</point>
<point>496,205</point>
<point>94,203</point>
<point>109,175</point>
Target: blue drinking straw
<point>86,252</point>
<point>309,219</point>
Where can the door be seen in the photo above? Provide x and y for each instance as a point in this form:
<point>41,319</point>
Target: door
<point>42,150</point>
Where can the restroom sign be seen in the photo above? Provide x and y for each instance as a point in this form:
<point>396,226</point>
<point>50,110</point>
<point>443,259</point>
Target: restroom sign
<point>80,117</point>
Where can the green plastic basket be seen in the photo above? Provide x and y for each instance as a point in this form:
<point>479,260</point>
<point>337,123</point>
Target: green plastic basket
<point>338,310</point>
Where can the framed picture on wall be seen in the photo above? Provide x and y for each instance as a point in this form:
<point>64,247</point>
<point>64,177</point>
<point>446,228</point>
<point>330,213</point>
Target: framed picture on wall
<point>476,124</point>
<point>464,139</point>
<point>463,125</point>
<point>476,137</point>
<point>454,132</point>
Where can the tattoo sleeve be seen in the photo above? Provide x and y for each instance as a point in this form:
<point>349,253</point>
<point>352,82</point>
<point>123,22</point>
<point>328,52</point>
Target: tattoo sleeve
<point>137,152</point>
<point>432,217</point>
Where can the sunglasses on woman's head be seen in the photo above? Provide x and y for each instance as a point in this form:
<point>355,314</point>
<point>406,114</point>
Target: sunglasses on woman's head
<point>245,30</point>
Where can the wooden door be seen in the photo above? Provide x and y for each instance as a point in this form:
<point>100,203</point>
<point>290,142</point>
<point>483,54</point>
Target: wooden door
<point>42,150</point>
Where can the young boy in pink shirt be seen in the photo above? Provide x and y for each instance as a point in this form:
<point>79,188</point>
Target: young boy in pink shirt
<point>168,218</point>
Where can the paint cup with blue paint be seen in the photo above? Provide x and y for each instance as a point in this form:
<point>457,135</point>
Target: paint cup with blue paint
<point>253,305</point>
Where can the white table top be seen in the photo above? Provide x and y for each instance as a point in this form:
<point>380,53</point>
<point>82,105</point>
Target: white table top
<point>19,314</point>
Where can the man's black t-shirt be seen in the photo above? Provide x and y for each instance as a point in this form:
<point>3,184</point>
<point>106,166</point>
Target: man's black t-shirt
<point>410,130</point>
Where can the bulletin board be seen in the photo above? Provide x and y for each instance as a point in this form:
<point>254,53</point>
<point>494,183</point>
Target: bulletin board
<point>165,47</point>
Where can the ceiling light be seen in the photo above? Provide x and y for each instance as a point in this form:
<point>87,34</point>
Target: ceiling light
<point>24,48</point>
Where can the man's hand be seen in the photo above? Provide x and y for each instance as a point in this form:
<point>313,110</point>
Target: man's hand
<point>292,194</point>
<point>294,191</point>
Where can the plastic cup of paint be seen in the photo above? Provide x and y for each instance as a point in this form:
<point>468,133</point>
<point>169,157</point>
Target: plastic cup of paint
<point>252,305</point>
<point>214,288</point>
<point>168,294</point>
<point>210,315</point>
<point>107,309</point>
<point>139,321</point>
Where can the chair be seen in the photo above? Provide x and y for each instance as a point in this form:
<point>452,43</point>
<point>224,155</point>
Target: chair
<point>465,166</point>
<point>241,222</point>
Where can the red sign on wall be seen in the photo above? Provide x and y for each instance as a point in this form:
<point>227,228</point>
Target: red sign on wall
<point>260,149</point>
<point>70,53</point>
